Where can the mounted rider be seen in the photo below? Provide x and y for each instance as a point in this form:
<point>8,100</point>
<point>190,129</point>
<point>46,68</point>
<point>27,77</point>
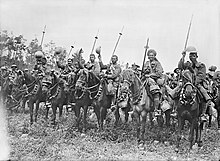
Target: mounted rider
<point>40,67</point>
<point>113,77</point>
<point>199,71</point>
<point>153,72</point>
<point>93,65</point>
<point>136,69</point>
<point>13,71</point>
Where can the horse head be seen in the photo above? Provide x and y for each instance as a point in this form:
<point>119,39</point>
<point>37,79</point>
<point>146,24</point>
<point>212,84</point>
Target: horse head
<point>87,81</point>
<point>129,86</point>
<point>130,81</point>
<point>20,79</point>
<point>82,80</point>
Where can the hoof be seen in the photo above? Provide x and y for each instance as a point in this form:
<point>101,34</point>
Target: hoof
<point>195,146</point>
<point>176,150</point>
<point>141,146</point>
<point>218,130</point>
<point>200,144</point>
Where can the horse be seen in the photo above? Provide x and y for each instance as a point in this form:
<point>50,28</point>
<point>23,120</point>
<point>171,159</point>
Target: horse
<point>140,101</point>
<point>86,89</point>
<point>56,96</point>
<point>216,99</point>
<point>188,108</point>
<point>34,95</point>
<point>6,86</point>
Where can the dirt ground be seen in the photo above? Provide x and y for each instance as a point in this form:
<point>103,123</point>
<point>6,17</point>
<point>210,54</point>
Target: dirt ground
<point>42,141</point>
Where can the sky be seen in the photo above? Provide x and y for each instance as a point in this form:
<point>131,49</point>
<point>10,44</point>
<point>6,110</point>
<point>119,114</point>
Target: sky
<point>164,22</point>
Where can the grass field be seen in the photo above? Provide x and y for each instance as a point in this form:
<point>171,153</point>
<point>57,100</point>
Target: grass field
<point>42,141</point>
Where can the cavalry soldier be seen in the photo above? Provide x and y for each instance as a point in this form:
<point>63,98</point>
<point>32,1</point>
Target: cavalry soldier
<point>93,65</point>
<point>40,66</point>
<point>113,75</point>
<point>199,70</point>
<point>13,71</point>
<point>135,67</point>
<point>153,71</point>
<point>211,73</point>
<point>66,69</point>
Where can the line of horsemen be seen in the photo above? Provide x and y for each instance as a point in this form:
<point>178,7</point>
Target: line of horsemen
<point>206,82</point>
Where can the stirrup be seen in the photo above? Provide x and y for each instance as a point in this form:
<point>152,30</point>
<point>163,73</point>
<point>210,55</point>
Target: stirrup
<point>113,107</point>
<point>173,114</point>
<point>157,113</point>
<point>203,118</point>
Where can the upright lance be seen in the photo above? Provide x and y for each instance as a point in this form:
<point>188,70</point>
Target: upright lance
<point>71,48</point>
<point>96,37</point>
<point>43,36</point>
<point>120,33</point>
<point>145,53</point>
<point>187,36</point>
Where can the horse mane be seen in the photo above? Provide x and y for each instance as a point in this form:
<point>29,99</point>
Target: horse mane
<point>92,79</point>
<point>188,76</point>
<point>129,74</point>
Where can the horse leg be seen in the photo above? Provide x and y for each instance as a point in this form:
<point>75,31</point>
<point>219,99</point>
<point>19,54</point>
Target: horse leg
<point>31,108</point>
<point>143,124</point>
<point>167,116</point>
<point>179,132</point>
<point>47,111</point>
<point>84,118</point>
<point>218,119</point>
<point>151,119</point>
<point>191,132</point>
<point>36,110</point>
<point>200,128</point>
<point>54,109</point>
<point>77,113</point>
<point>97,112</point>
<point>60,110</point>
<point>103,112</point>
<point>117,116</point>
<point>126,114</point>
<point>210,120</point>
<point>137,120</point>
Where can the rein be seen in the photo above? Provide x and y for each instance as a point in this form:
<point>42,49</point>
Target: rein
<point>137,96</point>
<point>89,90</point>
<point>183,100</point>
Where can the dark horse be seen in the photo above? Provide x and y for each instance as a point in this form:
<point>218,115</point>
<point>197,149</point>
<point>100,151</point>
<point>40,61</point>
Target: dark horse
<point>6,87</point>
<point>216,97</point>
<point>140,101</point>
<point>86,89</point>
<point>34,92</point>
<point>188,109</point>
<point>56,96</point>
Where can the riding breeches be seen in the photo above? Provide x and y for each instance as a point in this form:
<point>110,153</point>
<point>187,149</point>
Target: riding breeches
<point>154,87</point>
<point>204,92</point>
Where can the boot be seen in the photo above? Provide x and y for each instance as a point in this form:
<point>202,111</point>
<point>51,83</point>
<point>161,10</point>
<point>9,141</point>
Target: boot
<point>204,109</point>
<point>157,111</point>
<point>113,105</point>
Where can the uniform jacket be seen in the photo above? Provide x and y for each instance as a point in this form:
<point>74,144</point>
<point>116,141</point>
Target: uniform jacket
<point>156,71</point>
<point>65,68</point>
<point>94,67</point>
<point>114,70</point>
<point>199,70</point>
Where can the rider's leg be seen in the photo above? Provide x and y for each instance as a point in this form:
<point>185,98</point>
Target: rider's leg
<point>206,103</point>
<point>156,98</point>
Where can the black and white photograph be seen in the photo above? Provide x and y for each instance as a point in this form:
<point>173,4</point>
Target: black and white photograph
<point>109,80</point>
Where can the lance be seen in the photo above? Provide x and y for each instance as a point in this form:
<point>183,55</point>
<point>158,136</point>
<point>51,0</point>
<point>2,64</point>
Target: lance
<point>43,36</point>
<point>187,36</point>
<point>96,37</point>
<point>71,48</point>
<point>120,33</point>
<point>145,53</point>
